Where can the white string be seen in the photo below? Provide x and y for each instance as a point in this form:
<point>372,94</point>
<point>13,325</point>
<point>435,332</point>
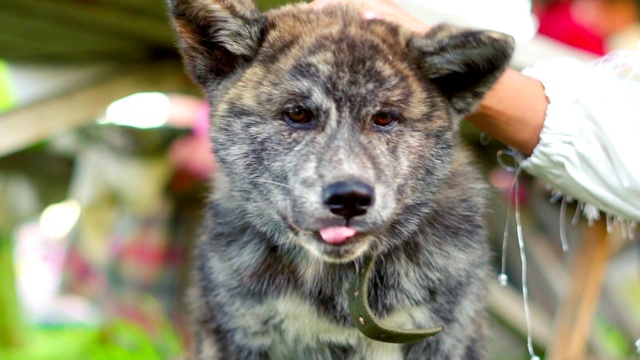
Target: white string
<point>623,228</point>
<point>609,219</point>
<point>563,232</point>
<point>514,190</point>
<point>576,215</point>
<point>555,196</point>
<point>503,278</point>
<point>523,261</point>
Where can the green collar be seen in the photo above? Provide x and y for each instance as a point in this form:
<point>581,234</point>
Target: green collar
<point>366,322</point>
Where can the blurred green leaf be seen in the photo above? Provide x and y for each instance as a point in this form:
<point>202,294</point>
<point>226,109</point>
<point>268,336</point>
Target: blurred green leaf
<point>615,342</point>
<point>52,344</point>
<point>10,319</point>
<point>119,340</point>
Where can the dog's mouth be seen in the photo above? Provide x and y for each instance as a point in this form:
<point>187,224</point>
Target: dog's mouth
<point>333,242</point>
<point>337,235</point>
<point>336,244</point>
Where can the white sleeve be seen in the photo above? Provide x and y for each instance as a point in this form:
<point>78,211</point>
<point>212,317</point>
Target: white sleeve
<point>590,145</point>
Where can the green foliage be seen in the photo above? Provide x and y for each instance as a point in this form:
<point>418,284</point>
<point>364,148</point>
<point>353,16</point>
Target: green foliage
<point>7,92</point>
<point>119,340</point>
<point>52,344</point>
<point>122,341</point>
<point>10,321</point>
<point>615,343</point>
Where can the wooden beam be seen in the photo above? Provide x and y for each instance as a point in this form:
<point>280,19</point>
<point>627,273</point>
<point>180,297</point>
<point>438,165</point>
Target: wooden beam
<point>23,127</point>
<point>578,308</point>
<point>19,50</point>
<point>49,35</point>
<point>98,19</point>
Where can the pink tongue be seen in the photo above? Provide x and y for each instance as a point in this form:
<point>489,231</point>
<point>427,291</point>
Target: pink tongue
<point>336,235</point>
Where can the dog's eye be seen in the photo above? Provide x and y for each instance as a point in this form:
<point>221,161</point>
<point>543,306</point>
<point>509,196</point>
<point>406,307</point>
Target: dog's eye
<point>384,119</point>
<point>297,116</point>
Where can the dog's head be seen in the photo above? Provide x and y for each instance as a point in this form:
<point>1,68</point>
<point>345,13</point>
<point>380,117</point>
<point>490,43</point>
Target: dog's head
<point>327,127</point>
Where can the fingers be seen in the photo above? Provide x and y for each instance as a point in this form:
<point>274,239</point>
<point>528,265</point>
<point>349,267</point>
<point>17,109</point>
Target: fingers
<point>370,15</point>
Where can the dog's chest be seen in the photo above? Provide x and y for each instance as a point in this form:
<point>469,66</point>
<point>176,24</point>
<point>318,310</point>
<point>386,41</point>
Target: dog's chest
<point>293,329</point>
<point>301,331</point>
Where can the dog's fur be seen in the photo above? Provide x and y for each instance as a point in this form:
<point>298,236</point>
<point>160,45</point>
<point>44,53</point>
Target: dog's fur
<point>266,286</point>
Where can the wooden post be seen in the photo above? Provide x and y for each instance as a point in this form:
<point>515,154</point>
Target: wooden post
<point>579,305</point>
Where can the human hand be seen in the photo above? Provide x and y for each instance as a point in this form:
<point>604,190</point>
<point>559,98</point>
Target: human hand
<point>380,9</point>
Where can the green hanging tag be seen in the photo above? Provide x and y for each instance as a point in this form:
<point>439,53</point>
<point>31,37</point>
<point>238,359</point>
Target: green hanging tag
<point>366,322</point>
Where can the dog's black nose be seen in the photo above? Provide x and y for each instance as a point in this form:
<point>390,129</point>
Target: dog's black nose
<point>348,198</point>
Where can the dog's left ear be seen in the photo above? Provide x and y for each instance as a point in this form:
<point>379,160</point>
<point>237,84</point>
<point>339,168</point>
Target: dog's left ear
<point>462,63</point>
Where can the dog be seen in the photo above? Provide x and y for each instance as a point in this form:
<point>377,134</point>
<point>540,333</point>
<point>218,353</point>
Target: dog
<point>337,140</point>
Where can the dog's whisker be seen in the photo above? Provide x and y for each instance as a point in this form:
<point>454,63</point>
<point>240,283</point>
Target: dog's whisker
<point>273,182</point>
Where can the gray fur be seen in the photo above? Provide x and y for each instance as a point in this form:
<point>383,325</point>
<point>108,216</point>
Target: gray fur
<point>265,285</point>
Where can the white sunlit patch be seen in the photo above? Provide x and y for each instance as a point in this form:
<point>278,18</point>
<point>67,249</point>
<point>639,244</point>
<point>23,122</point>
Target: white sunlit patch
<point>509,16</point>
<point>57,220</point>
<point>40,253</point>
<point>142,110</point>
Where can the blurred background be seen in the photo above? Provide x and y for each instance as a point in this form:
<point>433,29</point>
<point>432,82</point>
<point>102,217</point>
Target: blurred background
<point>104,164</point>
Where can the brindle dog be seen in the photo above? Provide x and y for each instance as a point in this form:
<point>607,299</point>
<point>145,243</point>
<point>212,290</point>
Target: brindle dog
<point>337,139</point>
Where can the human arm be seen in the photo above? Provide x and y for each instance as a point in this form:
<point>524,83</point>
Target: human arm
<point>577,129</point>
<point>589,143</point>
<point>513,111</point>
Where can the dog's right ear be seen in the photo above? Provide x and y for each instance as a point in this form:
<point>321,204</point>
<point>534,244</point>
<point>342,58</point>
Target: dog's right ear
<point>462,63</point>
<point>216,37</point>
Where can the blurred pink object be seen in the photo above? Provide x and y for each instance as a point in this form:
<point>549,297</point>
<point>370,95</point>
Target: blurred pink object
<point>194,153</point>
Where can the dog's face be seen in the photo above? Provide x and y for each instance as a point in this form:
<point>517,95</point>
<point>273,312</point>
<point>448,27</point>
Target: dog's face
<point>327,127</point>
